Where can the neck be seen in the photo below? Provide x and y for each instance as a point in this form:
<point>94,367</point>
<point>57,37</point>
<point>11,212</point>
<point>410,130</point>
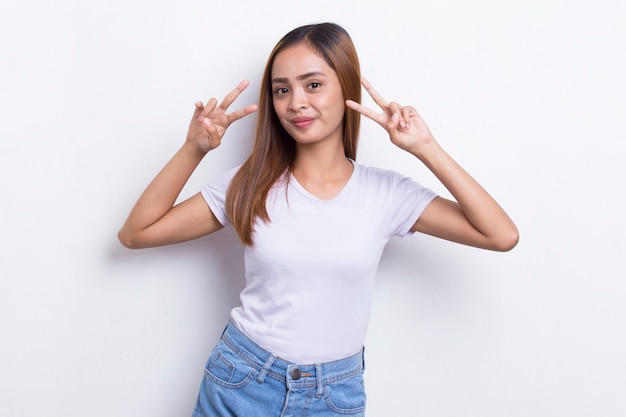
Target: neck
<point>321,161</point>
<point>322,171</point>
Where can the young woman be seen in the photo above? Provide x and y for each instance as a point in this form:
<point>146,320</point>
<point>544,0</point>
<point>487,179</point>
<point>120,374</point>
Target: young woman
<point>314,224</point>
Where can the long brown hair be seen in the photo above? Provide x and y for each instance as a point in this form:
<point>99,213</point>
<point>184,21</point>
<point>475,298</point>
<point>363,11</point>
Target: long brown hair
<point>274,150</point>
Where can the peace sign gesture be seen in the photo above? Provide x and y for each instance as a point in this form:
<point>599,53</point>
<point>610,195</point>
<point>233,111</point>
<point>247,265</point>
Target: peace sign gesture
<point>209,122</point>
<point>406,128</point>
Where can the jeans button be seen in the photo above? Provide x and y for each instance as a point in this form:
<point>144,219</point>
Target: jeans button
<point>296,374</point>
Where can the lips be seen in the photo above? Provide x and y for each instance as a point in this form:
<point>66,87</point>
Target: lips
<point>302,122</point>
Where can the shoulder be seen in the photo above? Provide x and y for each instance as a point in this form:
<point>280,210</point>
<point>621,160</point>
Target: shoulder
<point>216,190</point>
<point>387,183</point>
<point>223,180</point>
<point>379,176</point>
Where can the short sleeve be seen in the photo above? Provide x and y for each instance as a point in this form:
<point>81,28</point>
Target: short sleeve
<point>409,200</point>
<point>215,195</point>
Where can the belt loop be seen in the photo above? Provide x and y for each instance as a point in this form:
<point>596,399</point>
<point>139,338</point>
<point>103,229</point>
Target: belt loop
<point>318,377</point>
<point>266,367</point>
<point>363,358</point>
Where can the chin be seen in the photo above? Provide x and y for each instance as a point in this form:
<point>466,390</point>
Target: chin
<point>304,139</point>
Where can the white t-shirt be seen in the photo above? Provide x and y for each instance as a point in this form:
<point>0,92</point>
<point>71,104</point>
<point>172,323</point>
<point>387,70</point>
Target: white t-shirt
<point>310,272</point>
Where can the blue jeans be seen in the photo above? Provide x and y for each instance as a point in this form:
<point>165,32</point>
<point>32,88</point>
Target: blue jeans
<point>242,379</point>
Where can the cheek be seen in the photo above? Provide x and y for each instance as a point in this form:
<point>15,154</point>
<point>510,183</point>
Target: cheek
<point>333,104</point>
<point>278,108</point>
<point>280,113</point>
<point>339,101</point>
<point>339,108</point>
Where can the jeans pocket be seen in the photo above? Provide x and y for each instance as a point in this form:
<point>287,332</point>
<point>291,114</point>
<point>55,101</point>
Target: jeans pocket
<point>227,369</point>
<point>347,396</point>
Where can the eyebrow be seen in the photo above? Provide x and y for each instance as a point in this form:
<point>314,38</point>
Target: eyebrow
<point>299,77</point>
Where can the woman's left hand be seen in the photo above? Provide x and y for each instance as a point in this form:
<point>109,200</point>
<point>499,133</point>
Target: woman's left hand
<point>405,126</point>
<point>475,218</point>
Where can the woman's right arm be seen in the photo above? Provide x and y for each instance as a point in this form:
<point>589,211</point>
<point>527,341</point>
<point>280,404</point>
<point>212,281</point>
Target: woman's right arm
<point>155,220</point>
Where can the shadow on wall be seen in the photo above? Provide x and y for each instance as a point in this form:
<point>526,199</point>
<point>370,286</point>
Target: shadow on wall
<point>426,276</point>
<point>209,269</point>
<point>169,306</point>
<point>428,261</point>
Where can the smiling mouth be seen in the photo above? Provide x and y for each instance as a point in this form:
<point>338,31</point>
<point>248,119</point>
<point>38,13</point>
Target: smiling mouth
<point>302,122</point>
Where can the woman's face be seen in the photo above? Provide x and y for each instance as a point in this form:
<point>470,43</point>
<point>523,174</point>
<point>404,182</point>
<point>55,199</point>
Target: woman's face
<point>307,96</point>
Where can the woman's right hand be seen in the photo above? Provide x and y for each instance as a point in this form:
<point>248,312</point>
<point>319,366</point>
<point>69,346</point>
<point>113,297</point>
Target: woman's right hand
<point>210,121</point>
<point>155,220</point>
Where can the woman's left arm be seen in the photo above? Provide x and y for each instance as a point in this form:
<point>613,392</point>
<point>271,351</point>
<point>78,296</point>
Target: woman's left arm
<point>475,218</point>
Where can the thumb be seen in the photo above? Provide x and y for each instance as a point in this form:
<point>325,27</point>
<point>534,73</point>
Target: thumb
<point>392,124</point>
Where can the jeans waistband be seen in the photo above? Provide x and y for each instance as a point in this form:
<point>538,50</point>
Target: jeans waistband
<point>294,375</point>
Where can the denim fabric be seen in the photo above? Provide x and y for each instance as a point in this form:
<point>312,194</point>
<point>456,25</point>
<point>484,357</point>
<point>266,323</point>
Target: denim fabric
<point>242,379</point>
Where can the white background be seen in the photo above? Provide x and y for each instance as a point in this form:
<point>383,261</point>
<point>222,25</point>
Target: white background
<point>528,96</point>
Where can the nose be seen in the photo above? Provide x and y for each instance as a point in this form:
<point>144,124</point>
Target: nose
<point>298,100</point>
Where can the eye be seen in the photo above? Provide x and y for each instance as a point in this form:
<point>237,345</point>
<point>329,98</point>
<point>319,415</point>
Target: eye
<point>314,85</point>
<point>281,91</point>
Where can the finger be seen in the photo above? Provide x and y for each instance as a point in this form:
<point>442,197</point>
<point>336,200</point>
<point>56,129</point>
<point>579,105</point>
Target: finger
<point>378,99</point>
<point>393,123</point>
<point>232,96</point>
<point>210,106</point>
<point>197,111</point>
<point>367,112</point>
<point>396,113</point>
<point>210,128</point>
<point>394,107</point>
<point>236,115</point>
<point>408,113</point>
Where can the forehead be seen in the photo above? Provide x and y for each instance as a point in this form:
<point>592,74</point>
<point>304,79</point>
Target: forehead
<point>297,60</point>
